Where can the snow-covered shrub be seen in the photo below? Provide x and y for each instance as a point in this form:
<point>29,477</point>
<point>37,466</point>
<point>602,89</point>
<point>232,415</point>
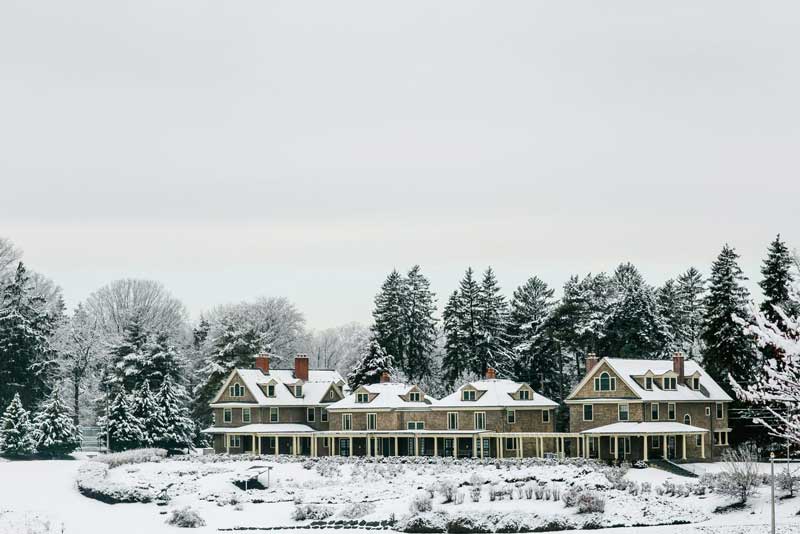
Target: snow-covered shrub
<point>740,476</point>
<point>328,470</point>
<point>787,480</point>
<point>616,476</point>
<point>634,488</point>
<point>459,497</point>
<point>476,479</point>
<point>570,497</point>
<point>298,498</point>
<point>591,502</point>
<point>92,483</point>
<point>447,488</point>
<point>538,491</point>
<point>313,512</point>
<point>357,510</point>
<point>421,502</point>
<point>185,518</point>
<point>133,456</point>
<point>556,491</point>
<point>475,493</point>
<point>429,522</point>
<point>469,524</point>
<point>647,487</point>
<point>528,490</point>
<point>659,490</point>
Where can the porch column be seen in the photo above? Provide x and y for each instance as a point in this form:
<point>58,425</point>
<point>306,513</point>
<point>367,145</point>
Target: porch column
<point>416,445</point>
<point>435,445</point>
<point>664,437</point>
<point>296,446</point>
<point>368,445</point>
<point>351,445</point>
<point>396,450</point>
<point>500,448</point>
<point>684,447</point>
<point>519,447</point>
<point>644,447</point>
<point>227,443</point>
<point>541,447</point>
<point>277,445</point>
<point>616,447</point>
<point>480,440</point>
<point>703,445</point>
<point>585,446</point>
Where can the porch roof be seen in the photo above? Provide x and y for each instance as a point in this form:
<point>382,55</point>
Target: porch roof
<point>645,428</point>
<point>275,428</point>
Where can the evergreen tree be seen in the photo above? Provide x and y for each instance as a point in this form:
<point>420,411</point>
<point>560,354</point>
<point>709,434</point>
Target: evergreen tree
<point>374,361</point>
<point>691,289</point>
<point>17,433</point>
<point>419,326</point>
<point>128,358</point>
<point>671,308</point>
<point>177,426</point>
<point>149,414</point>
<point>388,316</point>
<point>25,327</point>
<point>469,292</point>
<point>493,341</point>
<point>776,283</point>
<point>122,427</point>
<point>455,346</point>
<point>728,350</point>
<point>531,358</point>
<point>56,431</point>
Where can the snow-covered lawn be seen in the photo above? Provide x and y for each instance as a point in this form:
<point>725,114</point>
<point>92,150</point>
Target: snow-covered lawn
<point>41,496</point>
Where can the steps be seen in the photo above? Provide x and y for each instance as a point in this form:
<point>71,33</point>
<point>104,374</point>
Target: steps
<point>671,467</point>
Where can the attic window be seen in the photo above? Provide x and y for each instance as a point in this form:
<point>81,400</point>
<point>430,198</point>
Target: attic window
<point>298,391</point>
<point>648,383</point>
<point>236,390</point>
<point>331,394</point>
<point>413,396</point>
<point>271,390</point>
<point>362,398</point>
<point>468,395</point>
<point>605,382</point>
<point>670,383</point>
<point>695,383</point>
<point>524,394</point>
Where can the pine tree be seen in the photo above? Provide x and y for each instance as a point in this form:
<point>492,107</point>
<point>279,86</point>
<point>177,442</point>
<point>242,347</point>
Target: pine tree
<point>147,410</point>
<point>776,282</point>
<point>121,425</point>
<point>25,327</point>
<point>56,432</point>
<point>493,344</point>
<point>419,326</point>
<point>17,433</point>
<point>691,289</point>
<point>374,362</point>
<point>389,319</point>
<point>455,346</point>
<point>532,359</point>
<point>728,350</point>
<point>671,308</point>
<point>178,428</point>
<point>127,358</point>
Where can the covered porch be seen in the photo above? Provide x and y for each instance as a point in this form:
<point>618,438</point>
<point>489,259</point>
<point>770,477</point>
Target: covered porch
<point>372,443</point>
<point>644,441</point>
<point>263,439</point>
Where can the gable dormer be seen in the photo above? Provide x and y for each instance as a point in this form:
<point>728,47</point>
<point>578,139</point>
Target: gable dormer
<point>270,388</point>
<point>469,393</point>
<point>693,381</point>
<point>234,390</point>
<point>362,396</point>
<point>669,381</point>
<point>524,393</point>
<point>646,381</point>
<point>333,394</point>
<point>414,394</point>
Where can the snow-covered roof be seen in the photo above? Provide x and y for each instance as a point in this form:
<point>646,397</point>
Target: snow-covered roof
<point>260,428</point>
<point>314,389</point>
<point>627,369</point>
<point>387,395</point>
<point>647,427</point>
<point>497,393</point>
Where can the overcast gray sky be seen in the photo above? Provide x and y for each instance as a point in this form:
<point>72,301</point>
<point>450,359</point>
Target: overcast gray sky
<point>234,149</point>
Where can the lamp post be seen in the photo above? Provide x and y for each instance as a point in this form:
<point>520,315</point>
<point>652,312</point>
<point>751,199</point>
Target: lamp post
<point>772,469</point>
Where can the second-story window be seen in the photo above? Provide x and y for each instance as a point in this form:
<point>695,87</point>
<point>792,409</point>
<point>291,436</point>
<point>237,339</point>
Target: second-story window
<point>362,398</point>
<point>468,395</point>
<point>273,415</point>
<point>480,420</point>
<point>623,412</point>
<point>372,421</point>
<point>452,420</point>
<point>413,396</point>
<point>246,416</point>
<point>310,415</point>
<point>227,415</point>
<point>545,416</point>
<point>323,415</point>
<point>347,421</point>
<point>671,411</point>
<point>511,417</point>
<point>654,411</point>
<point>720,410</point>
<point>588,412</point>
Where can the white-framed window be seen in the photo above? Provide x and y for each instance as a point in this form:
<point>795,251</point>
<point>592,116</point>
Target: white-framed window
<point>468,395</point>
<point>274,415</point>
<point>362,398</point>
<point>654,411</point>
<point>588,412</point>
<point>623,412</point>
<point>671,411</point>
<point>670,383</point>
<point>372,421</point>
<point>347,421</point>
<point>605,382</point>
<point>687,419</point>
<point>246,415</point>
<point>545,416</point>
<point>298,390</point>
<point>511,444</point>
<point>323,415</point>
<point>270,390</point>
<point>511,417</point>
<point>413,396</point>
<point>415,425</point>
<point>695,383</point>
<point>655,442</point>
<point>234,441</point>
<point>708,411</point>
<point>452,420</point>
<point>227,415</point>
<point>310,415</point>
<point>720,410</point>
<point>480,420</point>
<point>236,390</point>
<point>648,383</point>
<point>524,394</point>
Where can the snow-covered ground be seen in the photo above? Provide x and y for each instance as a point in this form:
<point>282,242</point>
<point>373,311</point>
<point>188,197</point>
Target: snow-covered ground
<point>41,496</point>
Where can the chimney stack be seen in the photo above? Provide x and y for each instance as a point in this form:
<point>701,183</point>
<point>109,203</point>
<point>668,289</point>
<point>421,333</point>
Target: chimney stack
<point>491,374</point>
<point>301,367</point>
<point>385,377</point>
<point>591,361</point>
<point>262,362</point>
<point>677,366</point>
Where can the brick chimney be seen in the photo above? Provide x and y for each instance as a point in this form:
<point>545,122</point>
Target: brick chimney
<point>591,361</point>
<point>301,367</point>
<point>385,377</point>
<point>677,366</point>
<point>491,374</point>
<point>262,362</point>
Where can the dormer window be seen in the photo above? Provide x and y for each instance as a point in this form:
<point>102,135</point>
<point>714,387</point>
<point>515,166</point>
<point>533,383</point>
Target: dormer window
<point>298,391</point>
<point>605,382</point>
<point>271,390</point>
<point>413,396</point>
<point>695,382</point>
<point>362,398</point>
<point>468,395</point>
<point>524,394</point>
<point>648,383</point>
<point>236,390</point>
<point>670,383</point>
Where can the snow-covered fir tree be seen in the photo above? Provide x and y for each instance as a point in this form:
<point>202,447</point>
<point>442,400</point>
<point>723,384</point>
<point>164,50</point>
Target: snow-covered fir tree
<point>493,344</point>
<point>454,340</point>
<point>26,325</point>
<point>419,326</point>
<point>127,358</point>
<point>776,282</point>
<point>17,433</point>
<point>691,289</point>
<point>463,319</point>
<point>177,427</point>
<point>121,426</point>
<point>149,414</point>
<point>374,362</point>
<point>671,308</point>
<point>56,431</point>
<point>388,317</point>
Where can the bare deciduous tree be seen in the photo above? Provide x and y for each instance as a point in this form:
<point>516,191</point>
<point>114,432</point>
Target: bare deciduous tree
<point>9,255</point>
<point>739,477</point>
<point>335,347</point>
